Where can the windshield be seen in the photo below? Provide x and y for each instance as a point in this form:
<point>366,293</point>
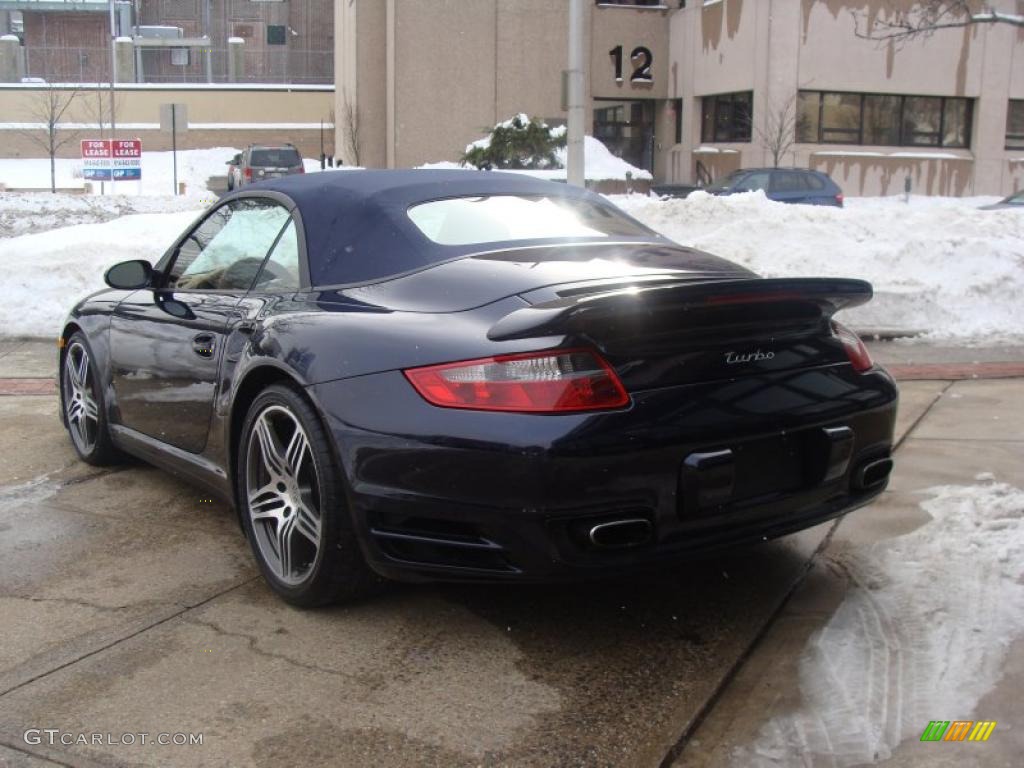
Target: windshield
<point>283,157</point>
<point>500,218</point>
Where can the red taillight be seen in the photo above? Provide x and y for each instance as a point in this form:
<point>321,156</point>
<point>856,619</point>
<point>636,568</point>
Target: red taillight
<point>538,382</point>
<point>248,173</point>
<point>302,169</point>
<point>839,200</point>
<point>855,349</point>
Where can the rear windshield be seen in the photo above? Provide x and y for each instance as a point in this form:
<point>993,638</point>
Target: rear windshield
<point>285,157</point>
<point>500,218</point>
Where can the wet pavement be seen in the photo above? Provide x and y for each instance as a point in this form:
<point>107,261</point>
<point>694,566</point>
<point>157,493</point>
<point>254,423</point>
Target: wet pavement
<point>129,604</point>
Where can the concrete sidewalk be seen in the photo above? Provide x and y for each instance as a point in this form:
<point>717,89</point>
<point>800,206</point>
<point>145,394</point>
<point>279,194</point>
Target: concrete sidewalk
<point>130,604</point>
<point>973,430</point>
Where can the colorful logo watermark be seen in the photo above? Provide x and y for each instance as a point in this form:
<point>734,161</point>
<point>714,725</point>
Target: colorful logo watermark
<point>958,730</point>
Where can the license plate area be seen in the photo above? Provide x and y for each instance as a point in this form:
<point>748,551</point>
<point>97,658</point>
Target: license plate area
<point>712,481</point>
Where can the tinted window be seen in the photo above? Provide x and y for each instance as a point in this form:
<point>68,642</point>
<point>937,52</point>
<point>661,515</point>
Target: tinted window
<point>727,116</point>
<point>1015,124</point>
<point>922,116</point>
<point>227,249</point>
<point>498,218</point>
<point>752,182</point>
<point>882,120</point>
<point>840,118</point>
<point>813,182</point>
<point>808,112</point>
<point>787,182</point>
<point>285,157</point>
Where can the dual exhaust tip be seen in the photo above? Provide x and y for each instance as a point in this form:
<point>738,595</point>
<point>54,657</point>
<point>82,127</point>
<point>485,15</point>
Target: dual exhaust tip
<point>637,531</point>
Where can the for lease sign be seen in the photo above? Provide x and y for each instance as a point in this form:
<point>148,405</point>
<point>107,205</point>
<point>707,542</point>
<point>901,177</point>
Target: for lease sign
<point>112,159</point>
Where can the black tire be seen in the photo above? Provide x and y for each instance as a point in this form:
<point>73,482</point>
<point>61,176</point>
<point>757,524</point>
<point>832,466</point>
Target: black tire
<point>337,572</point>
<point>96,448</point>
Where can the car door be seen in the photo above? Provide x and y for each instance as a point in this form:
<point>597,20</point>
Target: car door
<point>167,342</point>
<point>818,192</point>
<point>788,187</point>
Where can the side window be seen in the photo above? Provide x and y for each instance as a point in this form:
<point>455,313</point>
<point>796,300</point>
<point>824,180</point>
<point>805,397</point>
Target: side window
<point>281,271</point>
<point>227,249</point>
<point>814,182</point>
<point>753,182</point>
<point>786,182</point>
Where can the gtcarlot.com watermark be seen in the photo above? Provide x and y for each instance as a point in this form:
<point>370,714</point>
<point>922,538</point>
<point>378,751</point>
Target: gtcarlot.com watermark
<point>56,737</point>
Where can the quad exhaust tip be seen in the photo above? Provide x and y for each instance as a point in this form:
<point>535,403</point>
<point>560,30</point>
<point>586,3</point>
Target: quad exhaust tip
<point>617,534</point>
<point>872,473</point>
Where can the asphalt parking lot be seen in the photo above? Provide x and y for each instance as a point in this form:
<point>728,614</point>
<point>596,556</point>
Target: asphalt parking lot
<point>129,604</point>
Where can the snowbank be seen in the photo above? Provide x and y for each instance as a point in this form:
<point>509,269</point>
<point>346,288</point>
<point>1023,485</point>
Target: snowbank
<point>938,265</point>
<point>46,273</point>
<point>23,213</point>
<point>599,163</point>
<point>921,634</point>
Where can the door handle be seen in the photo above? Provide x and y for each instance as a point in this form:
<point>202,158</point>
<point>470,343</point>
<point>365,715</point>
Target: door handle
<point>203,345</point>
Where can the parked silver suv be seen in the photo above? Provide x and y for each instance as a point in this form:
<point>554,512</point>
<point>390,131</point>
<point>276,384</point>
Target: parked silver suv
<point>260,161</point>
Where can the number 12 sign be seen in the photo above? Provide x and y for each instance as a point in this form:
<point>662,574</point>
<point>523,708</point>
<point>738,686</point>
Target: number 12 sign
<point>112,159</point>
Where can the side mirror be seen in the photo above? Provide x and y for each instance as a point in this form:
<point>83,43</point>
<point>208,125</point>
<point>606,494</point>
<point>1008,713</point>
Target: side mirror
<point>130,275</point>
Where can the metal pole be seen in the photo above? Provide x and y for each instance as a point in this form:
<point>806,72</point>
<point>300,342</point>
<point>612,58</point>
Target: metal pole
<point>113,69</point>
<point>206,34</point>
<point>174,145</point>
<point>575,171</point>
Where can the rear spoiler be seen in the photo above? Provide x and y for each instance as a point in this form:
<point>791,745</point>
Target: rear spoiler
<point>572,312</point>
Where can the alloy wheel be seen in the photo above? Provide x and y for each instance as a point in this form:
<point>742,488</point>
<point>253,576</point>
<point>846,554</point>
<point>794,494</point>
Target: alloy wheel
<point>80,405</point>
<point>283,494</point>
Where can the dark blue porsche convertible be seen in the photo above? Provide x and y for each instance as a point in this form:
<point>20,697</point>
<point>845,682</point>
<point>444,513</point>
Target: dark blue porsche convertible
<point>472,375</point>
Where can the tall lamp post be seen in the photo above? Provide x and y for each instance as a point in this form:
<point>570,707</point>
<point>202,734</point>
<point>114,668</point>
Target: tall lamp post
<point>574,139</point>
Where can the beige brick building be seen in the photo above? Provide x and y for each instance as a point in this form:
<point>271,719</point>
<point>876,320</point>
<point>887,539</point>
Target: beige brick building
<point>691,89</point>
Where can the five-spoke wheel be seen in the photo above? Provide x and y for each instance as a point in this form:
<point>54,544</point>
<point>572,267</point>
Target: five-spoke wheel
<point>293,507</point>
<point>283,494</point>
<point>81,403</point>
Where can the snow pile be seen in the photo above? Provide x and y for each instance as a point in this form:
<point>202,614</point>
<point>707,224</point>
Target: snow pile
<point>598,162</point>
<point>46,273</point>
<point>23,213</point>
<point>938,265</point>
<point>922,633</point>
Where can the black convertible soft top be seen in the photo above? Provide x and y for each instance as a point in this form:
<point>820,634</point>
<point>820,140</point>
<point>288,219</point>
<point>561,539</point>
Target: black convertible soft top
<point>356,226</point>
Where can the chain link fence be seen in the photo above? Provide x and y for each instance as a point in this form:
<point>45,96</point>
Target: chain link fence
<point>180,65</point>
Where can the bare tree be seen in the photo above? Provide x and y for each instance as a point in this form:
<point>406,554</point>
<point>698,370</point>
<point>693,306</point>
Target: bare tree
<point>777,132</point>
<point>48,107</point>
<point>95,108</point>
<point>350,128</point>
<point>907,20</point>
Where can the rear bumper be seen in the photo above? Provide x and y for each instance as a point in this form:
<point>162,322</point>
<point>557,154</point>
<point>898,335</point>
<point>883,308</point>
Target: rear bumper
<point>438,494</point>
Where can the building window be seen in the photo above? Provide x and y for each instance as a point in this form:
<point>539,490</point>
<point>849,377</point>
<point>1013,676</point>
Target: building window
<point>677,107</point>
<point>1015,124</point>
<point>640,3</point>
<point>277,34</point>
<point>727,116</point>
<point>883,120</point>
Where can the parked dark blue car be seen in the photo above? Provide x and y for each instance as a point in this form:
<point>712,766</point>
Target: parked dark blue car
<point>784,185</point>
